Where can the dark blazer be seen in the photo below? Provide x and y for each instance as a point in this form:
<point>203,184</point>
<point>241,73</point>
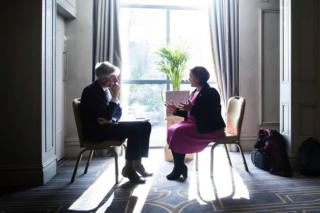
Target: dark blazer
<point>206,110</point>
<point>94,104</point>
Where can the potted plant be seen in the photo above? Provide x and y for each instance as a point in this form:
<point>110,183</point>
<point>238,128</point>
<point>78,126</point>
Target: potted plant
<point>173,63</point>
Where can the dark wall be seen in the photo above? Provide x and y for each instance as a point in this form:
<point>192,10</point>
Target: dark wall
<point>20,83</point>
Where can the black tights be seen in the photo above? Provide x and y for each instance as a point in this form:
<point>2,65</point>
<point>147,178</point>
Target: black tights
<point>178,159</point>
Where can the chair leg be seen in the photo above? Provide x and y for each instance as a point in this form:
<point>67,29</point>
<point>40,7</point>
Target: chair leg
<point>243,158</point>
<point>226,148</point>
<point>116,167</point>
<point>123,149</point>
<point>88,161</point>
<point>77,164</point>
<point>197,162</point>
<point>211,159</point>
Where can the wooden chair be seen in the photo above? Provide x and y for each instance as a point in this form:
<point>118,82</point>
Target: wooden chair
<point>235,113</point>
<point>92,145</point>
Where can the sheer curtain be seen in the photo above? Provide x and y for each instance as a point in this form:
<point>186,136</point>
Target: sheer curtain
<point>106,38</point>
<point>224,28</point>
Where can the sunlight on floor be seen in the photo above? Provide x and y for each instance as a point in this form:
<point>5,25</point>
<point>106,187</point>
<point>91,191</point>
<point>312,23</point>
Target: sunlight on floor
<point>226,181</point>
<point>104,187</point>
<point>93,196</point>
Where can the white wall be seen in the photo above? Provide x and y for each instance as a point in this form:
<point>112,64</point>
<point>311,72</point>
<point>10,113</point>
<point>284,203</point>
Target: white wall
<point>259,66</point>
<point>79,54</point>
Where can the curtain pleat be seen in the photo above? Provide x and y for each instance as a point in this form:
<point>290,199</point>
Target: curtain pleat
<point>106,36</point>
<point>224,28</point>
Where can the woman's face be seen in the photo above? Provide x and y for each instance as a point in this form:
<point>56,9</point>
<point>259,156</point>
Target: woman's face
<point>193,80</point>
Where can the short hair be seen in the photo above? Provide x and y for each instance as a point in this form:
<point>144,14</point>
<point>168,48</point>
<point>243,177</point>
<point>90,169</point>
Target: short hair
<point>201,74</point>
<point>105,69</point>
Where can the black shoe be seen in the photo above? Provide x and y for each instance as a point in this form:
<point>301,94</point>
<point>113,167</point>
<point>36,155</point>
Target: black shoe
<point>141,170</point>
<point>184,172</point>
<point>174,174</point>
<point>132,176</point>
<point>177,172</point>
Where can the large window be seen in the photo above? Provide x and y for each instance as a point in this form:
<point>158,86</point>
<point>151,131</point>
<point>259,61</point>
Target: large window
<point>147,25</point>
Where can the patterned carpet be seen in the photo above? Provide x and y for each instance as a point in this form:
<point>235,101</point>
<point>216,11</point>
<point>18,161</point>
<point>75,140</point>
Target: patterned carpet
<point>233,190</point>
<point>57,195</point>
<point>230,190</point>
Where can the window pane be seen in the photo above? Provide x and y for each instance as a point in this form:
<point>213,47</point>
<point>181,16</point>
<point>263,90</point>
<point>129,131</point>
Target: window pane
<point>145,26</point>
<point>190,29</point>
<point>146,100</point>
<point>143,31</point>
<point>184,3</point>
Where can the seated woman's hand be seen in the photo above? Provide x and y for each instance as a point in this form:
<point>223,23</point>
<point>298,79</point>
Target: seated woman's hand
<point>171,107</point>
<point>102,121</point>
<point>185,106</point>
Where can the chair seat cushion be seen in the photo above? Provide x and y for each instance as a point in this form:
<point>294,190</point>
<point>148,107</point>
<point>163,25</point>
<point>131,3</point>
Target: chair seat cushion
<point>102,144</point>
<point>230,138</point>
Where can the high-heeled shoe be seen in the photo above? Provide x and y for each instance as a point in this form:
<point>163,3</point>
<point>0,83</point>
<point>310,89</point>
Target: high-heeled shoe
<point>177,172</point>
<point>141,170</point>
<point>131,174</point>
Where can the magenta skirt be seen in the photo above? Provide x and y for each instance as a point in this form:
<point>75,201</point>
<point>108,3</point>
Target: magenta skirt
<point>183,137</point>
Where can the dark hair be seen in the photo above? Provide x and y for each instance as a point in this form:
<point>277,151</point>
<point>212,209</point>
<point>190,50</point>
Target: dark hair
<point>201,74</point>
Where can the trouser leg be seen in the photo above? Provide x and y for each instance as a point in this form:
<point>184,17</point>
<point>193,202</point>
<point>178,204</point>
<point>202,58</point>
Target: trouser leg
<point>137,134</point>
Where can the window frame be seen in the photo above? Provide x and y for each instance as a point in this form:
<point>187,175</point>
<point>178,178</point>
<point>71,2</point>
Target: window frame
<point>167,8</point>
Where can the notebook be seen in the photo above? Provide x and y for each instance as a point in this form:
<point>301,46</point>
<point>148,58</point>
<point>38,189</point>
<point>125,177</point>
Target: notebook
<point>131,118</point>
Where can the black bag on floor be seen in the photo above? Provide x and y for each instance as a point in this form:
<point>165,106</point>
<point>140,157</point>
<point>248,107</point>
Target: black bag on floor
<point>309,157</point>
<point>270,153</point>
<point>259,156</point>
<point>260,159</point>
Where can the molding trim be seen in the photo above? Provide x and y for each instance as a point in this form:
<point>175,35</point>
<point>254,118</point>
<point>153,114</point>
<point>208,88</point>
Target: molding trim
<point>48,77</point>
<point>67,8</point>
<point>72,148</point>
<point>248,138</point>
<point>262,122</point>
<point>285,41</point>
<point>247,142</point>
<point>72,142</point>
<point>284,117</point>
<point>49,170</point>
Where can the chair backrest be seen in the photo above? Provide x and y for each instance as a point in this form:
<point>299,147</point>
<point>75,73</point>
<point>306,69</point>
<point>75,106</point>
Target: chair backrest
<point>76,111</point>
<point>235,113</point>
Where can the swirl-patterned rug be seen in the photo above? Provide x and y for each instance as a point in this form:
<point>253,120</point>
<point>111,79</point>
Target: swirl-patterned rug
<point>231,189</point>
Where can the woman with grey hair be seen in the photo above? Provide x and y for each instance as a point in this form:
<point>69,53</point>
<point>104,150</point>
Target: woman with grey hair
<point>100,113</point>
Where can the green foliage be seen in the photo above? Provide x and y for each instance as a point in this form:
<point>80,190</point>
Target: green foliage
<point>173,63</point>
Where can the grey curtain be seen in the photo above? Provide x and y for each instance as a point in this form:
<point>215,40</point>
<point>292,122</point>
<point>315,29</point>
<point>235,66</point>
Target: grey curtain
<point>224,26</point>
<point>106,38</point>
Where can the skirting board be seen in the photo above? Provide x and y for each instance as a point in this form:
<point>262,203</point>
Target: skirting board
<point>248,142</point>
<point>72,146</point>
<point>72,149</point>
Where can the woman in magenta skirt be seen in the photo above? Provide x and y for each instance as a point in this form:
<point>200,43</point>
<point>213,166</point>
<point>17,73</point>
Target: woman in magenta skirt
<point>203,122</point>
